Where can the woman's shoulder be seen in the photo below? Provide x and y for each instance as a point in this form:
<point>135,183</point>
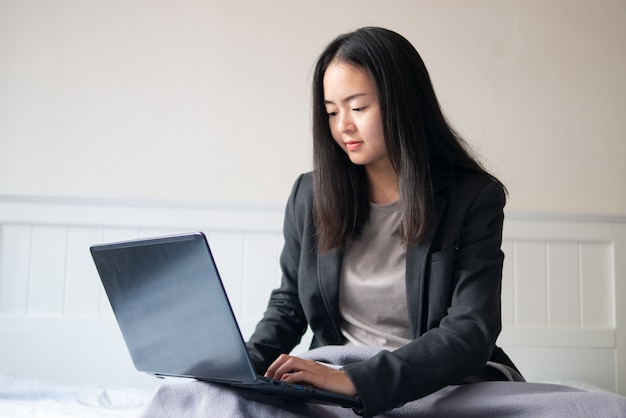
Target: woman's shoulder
<point>303,186</point>
<point>306,179</point>
<point>301,192</point>
<point>469,186</point>
<point>473,179</point>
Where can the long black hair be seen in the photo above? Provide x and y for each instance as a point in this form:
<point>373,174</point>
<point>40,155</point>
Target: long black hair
<point>417,137</point>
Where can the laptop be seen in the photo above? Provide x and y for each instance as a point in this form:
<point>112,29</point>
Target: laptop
<point>175,317</point>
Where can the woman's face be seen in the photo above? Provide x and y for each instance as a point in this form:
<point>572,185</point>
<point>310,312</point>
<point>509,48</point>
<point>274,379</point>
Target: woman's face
<point>354,115</point>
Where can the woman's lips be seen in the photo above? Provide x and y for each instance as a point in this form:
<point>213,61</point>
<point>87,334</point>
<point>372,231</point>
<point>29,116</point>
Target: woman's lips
<point>353,145</point>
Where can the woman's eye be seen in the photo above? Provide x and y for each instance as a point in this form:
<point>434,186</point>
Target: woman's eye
<point>358,109</point>
<point>331,114</point>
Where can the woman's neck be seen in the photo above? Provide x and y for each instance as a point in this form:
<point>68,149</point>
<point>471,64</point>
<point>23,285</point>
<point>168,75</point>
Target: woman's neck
<point>383,186</point>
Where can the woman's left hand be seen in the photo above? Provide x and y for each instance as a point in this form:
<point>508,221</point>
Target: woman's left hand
<point>309,372</point>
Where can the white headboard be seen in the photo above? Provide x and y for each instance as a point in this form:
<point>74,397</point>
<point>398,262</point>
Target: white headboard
<point>563,278</point>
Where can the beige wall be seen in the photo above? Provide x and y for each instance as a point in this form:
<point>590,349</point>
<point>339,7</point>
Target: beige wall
<point>209,100</point>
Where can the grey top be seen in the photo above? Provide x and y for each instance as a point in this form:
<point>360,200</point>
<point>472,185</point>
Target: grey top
<point>372,290</point>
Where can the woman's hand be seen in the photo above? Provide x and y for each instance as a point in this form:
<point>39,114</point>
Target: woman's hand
<point>309,372</point>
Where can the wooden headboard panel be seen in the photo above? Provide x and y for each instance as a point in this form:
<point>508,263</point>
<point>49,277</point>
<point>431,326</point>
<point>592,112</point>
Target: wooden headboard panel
<point>563,280</point>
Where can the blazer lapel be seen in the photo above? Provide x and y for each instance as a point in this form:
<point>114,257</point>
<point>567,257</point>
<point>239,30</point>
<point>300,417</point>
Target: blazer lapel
<point>416,286</point>
<point>329,274</point>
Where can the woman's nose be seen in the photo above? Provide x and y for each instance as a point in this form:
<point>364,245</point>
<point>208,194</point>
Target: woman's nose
<point>345,123</point>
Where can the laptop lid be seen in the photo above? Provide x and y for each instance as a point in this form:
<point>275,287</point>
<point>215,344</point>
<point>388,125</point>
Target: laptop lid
<point>172,308</point>
<point>175,317</point>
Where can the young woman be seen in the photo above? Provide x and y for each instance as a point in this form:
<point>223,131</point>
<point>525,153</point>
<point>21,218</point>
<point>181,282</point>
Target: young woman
<point>393,240</point>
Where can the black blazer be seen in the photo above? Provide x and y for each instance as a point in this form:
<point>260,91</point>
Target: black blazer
<point>453,282</point>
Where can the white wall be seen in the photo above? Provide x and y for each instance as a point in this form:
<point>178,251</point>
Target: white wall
<point>209,100</point>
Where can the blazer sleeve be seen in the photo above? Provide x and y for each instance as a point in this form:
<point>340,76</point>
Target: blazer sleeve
<point>463,340</point>
<point>283,323</point>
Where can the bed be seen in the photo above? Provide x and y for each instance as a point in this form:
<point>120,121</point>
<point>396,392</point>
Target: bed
<point>563,278</point>
<point>23,397</point>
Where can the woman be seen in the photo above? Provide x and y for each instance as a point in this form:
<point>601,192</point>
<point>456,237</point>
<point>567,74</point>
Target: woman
<point>393,240</point>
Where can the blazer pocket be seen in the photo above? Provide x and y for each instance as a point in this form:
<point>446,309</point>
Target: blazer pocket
<point>444,254</point>
<point>440,284</point>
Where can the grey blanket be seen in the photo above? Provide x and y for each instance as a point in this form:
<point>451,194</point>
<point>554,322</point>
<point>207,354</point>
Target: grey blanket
<point>485,399</point>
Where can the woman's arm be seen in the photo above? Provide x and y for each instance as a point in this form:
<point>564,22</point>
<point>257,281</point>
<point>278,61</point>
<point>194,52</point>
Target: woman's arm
<point>283,322</point>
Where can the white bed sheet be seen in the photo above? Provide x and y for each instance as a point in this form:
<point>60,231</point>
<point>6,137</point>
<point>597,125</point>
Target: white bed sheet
<point>21,397</point>
<point>27,398</point>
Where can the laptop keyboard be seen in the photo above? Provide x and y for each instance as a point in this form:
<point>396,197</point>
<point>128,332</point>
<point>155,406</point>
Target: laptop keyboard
<point>288,386</point>
<point>291,390</point>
